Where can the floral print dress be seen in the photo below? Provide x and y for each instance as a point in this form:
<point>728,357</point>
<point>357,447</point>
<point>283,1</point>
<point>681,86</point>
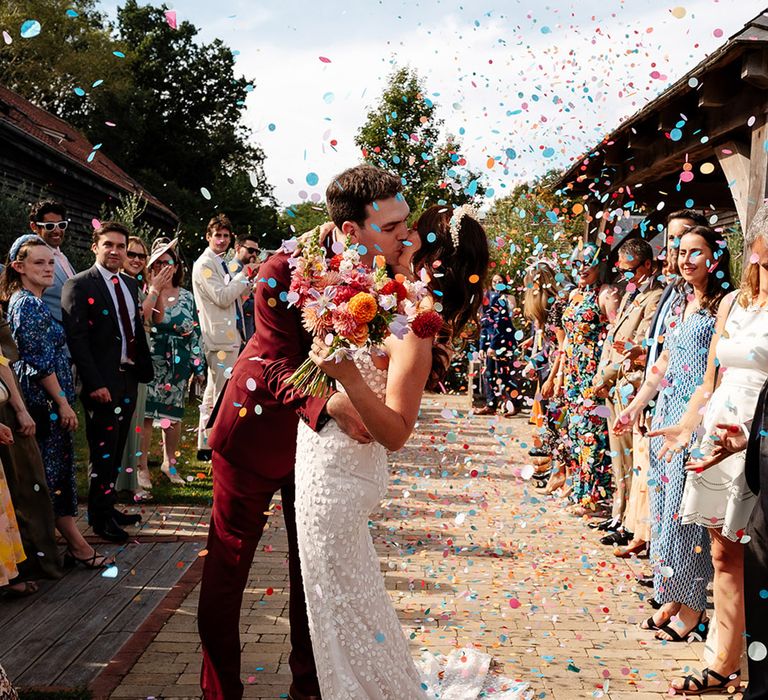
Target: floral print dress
<point>177,352</point>
<point>588,458</point>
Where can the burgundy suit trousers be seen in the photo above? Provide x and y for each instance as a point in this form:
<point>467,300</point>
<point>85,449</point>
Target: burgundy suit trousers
<point>240,499</point>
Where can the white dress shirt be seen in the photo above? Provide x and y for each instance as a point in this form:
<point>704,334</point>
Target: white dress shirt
<point>107,275</point>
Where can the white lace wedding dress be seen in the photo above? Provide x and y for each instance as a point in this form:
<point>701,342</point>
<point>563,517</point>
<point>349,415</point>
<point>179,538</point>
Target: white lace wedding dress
<point>360,649</point>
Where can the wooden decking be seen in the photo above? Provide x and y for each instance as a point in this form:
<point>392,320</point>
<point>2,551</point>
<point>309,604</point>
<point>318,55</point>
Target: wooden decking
<point>66,634</point>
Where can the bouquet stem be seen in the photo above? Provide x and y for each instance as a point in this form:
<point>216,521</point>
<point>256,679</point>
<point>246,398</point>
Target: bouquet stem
<point>310,380</point>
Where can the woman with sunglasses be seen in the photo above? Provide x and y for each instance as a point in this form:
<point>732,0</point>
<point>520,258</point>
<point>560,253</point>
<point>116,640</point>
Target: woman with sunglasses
<point>134,474</point>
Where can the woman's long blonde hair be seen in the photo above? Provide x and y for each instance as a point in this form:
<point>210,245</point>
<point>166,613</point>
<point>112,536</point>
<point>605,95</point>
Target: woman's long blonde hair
<point>750,274</point>
<point>541,290</point>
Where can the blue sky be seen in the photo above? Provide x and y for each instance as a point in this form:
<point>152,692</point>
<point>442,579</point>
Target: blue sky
<point>541,81</point>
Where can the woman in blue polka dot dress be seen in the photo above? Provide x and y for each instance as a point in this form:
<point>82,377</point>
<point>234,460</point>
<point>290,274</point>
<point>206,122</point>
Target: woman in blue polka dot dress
<point>680,553</point>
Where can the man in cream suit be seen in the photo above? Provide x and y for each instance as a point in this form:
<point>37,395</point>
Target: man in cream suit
<point>620,371</point>
<point>219,293</point>
<point>48,220</point>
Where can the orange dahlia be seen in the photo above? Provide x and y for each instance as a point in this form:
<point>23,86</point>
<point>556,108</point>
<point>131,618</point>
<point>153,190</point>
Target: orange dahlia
<point>360,335</point>
<point>363,307</point>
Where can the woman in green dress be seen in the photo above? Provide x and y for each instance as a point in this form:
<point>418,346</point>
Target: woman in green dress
<point>177,354</point>
<point>134,476</point>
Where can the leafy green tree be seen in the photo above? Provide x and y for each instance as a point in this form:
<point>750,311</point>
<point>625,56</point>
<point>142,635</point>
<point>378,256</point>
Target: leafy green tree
<point>402,134</point>
<point>73,51</point>
<point>169,110</point>
<point>533,221</point>
<point>298,218</point>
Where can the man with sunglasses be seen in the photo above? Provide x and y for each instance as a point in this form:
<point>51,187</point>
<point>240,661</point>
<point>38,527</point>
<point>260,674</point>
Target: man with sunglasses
<point>620,370</point>
<point>246,253</point>
<point>48,220</point>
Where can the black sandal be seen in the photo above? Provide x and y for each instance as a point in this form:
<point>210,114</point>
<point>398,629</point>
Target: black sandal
<point>71,560</point>
<point>693,686</point>
<point>650,624</point>
<point>28,588</point>
<point>699,630</point>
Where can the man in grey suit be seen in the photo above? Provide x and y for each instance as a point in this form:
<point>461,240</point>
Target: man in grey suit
<point>48,219</point>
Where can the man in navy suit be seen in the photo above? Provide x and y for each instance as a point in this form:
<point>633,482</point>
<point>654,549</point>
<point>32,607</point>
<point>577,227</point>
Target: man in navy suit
<point>48,219</point>
<point>105,334</point>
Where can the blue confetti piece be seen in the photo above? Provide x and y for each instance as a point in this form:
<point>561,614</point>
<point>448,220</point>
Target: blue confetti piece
<point>30,29</point>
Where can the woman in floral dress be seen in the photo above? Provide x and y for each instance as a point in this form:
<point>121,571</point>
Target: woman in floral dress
<point>177,354</point>
<point>591,307</point>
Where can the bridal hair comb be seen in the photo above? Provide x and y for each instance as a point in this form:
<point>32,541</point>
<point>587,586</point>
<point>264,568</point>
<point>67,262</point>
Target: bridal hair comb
<point>458,214</point>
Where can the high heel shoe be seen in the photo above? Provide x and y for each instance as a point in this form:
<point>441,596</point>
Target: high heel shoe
<point>639,549</point>
<point>71,560</point>
<point>144,480</point>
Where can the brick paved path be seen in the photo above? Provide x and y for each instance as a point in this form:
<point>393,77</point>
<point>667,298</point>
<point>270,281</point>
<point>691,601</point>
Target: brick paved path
<point>472,555</point>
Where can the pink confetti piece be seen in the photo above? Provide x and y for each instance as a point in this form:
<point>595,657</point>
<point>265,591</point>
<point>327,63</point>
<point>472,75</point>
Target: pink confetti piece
<point>324,59</point>
<point>170,17</point>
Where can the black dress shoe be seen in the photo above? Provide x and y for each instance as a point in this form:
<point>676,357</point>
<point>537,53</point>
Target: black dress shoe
<point>109,530</point>
<point>294,694</point>
<point>125,518</point>
<point>204,455</point>
<point>618,539</point>
<point>646,581</point>
<point>609,525</point>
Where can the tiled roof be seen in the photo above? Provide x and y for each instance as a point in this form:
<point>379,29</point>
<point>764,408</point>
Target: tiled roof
<point>62,137</point>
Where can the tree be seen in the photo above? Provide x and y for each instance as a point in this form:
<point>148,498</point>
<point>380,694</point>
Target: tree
<point>534,221</point>
<point>298,218</point>
<point>402,135</point>
<point>168,112</point>
<point>72,52</point>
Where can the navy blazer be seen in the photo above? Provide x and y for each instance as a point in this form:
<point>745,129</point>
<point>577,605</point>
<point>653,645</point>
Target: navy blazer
<point>93,331</point>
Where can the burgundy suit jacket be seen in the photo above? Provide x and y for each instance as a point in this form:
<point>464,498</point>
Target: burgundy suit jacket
<point>264,442</point>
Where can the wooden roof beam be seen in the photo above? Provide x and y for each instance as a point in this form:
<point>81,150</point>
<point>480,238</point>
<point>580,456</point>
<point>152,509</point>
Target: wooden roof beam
<point>716,90</point>
<point>754,68</point>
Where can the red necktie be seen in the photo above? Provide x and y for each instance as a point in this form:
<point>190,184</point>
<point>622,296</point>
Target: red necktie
<point>125,320</point>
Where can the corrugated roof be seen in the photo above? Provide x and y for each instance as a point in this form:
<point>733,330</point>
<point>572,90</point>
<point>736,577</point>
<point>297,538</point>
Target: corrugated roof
<point>60,136</point>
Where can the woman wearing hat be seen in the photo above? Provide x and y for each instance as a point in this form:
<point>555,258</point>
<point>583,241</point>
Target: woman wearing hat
<point>134,473</point>
<point>177,354</point>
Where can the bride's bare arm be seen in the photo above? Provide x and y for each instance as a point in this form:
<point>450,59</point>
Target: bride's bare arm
<point>389,422</point>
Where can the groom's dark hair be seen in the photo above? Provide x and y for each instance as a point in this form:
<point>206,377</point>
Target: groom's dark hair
<point>354,189</point>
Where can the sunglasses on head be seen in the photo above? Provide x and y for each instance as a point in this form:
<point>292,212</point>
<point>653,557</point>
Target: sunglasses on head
<point>51,225</point>
<point>136,256</point>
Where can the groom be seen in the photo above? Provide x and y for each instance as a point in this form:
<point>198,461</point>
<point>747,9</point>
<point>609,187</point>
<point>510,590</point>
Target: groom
<point>254,439</point>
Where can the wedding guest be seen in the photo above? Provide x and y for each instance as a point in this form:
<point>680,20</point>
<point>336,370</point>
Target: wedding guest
<point>637,515</point>
<point>246,253</point>
<point>680,553</point>
<point>25,473</point>
<point>11,548</point>
<point>48,219</point>
<point>543,306</point>
<point>591,307</point>
<point>619,375</point>
<point>719,498</point>
<point>497,343</point>
<point>45,375</point>
<point>177,354</point>
<point>7,691</point>
<point>218,296</point>
<point>134,473</point>
<point>106,337</point>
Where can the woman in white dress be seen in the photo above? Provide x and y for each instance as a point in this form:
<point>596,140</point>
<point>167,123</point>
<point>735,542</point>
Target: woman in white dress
<point>718,497</point>
<point>359,646</point>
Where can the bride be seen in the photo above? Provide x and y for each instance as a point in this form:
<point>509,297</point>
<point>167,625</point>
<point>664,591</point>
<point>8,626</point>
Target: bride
<point>360,649</point>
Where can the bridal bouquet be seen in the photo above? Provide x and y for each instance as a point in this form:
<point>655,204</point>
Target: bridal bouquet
<point>351,306</point>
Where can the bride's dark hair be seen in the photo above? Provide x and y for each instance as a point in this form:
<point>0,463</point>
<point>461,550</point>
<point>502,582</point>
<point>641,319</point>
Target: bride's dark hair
<point>457,273</point>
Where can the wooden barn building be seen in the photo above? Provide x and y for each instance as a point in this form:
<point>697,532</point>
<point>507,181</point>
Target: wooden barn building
<point>43,155</point>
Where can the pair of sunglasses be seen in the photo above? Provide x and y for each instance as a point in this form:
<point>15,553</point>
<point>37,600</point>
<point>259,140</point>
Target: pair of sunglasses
<point>136,256</point>
<point>251,251</point>
<point>51,225</point>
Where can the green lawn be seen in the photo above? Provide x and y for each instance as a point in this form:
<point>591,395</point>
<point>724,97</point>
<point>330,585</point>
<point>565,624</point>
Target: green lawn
<point>197,490</point>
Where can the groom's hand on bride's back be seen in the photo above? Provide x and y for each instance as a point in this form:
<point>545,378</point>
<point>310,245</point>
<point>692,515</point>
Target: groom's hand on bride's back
<point>340,408</point>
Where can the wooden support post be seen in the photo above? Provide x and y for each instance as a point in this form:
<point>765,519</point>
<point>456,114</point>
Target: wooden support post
<point>734,158</point>
<point>758,170</point>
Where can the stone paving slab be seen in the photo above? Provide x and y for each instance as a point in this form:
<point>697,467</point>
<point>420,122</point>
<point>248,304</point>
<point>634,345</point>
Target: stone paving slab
<point>472,555</point>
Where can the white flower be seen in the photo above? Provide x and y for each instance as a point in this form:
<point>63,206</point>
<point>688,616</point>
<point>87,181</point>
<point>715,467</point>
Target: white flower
<point>387,301</point>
